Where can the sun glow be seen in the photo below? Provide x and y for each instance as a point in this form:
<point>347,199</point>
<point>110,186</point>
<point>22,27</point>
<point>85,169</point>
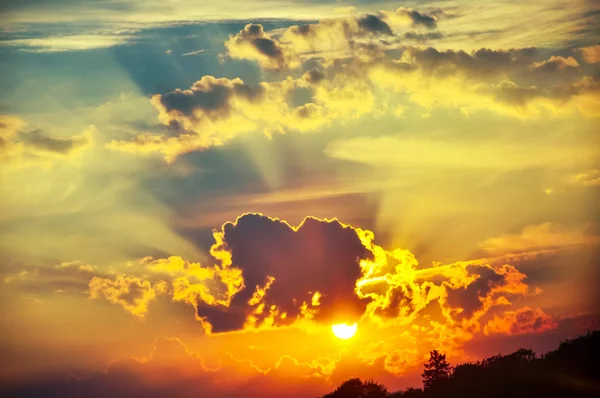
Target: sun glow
<point>344,331</point>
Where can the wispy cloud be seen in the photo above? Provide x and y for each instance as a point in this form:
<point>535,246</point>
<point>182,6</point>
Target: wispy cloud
<point>68,43</point>
<point>193,53</point>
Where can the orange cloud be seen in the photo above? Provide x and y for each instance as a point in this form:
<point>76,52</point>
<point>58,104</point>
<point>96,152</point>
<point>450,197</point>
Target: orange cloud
<point>522,321</point>
<point>591,54</point>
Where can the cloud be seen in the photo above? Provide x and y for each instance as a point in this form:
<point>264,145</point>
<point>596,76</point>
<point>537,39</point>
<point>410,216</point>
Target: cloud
<point>172,368</point>
<point>76,265</point>
<point>374,24</point>
<point>539,237</point>
<point>522,321</point>
<point>415,17</point>
<point>489,286</point>
<point>70,277</point>
<point>284,267</point>
<point>266,274</point>
<point>81,42</point>
<point>132,293</point>
<point>591,54</point>
<point>358,65</point>
<point>590,178</point>
<point>485,81</point>
<point>209,97</point>
<point>396,151</point>
<point>331,38</point>
<point>215,110</point>
<point>422,37</point>
<point>254,44</point>
<point>23,147</point>
<point>556,63</point>
<point>192,53</point>
<point>270,274</point>
<point>20,276</point>
<point>194,284</point>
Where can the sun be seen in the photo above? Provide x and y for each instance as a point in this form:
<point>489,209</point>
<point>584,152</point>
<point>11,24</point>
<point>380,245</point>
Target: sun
<point>344,331</point>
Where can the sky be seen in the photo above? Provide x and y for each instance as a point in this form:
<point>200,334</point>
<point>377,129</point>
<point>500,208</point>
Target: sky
<point>193,193</point>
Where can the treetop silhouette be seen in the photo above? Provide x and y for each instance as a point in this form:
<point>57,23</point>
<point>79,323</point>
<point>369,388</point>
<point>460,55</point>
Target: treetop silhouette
<point>571,371</point>
<point>436,370</point>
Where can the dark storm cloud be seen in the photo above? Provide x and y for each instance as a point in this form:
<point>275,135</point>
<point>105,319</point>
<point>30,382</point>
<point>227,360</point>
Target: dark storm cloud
<point>319,256</point>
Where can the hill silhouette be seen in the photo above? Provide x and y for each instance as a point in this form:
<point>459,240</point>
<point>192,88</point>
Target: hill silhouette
<point>571,371</point>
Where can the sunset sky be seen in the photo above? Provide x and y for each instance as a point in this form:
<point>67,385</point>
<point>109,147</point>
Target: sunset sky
<point>194,192</point>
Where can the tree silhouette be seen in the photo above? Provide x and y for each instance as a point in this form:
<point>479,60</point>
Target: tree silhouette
<point>355,388</point>
<point>373,390</point>
<point>436,370</point>
<point>571,371</point>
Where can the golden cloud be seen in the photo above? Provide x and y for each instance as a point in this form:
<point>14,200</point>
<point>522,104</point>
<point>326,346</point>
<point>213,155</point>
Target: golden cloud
<point>366,77</point>
<point>194,284</point>
<point>19,147</point>
<point>132,293</point>
<point>590,178</point>
<point>214,111</point>
<point>404,15</point>
<point>362,67</point>
<point>254,44</point>
<point>539,237</point>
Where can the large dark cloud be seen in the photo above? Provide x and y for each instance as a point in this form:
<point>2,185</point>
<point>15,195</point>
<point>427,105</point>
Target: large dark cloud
<point>318,256</point>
